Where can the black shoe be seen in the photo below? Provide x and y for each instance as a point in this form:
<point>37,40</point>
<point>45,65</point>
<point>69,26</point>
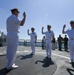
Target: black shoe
<point>72,64</point>
<point>7,69</point>
<point>48,58</point>
<point>60,50</point>
<point>67,51</point>
<point>32,54</point>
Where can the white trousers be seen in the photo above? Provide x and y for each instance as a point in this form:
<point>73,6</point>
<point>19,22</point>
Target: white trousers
<point>12,44</point>
<point>48,49</point>
<point>71,47</point>
<point>32,43</point>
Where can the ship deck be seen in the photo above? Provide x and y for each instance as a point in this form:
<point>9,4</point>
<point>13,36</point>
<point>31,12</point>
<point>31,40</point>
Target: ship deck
<point>37,64</point>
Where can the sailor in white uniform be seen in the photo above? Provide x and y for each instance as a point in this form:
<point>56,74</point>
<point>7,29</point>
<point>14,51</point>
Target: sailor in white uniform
<point>13,23</point>
<point>33,40</point>
<point>70,33</point>
<point>49,36</point>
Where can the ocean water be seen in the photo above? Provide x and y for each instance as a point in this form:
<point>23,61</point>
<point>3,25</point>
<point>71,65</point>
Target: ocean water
<point>38,44</point>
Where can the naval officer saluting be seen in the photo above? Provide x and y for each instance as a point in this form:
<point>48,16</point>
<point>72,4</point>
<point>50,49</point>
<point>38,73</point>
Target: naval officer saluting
<point>49,36</point>
<point>33,40</point>
<point>71,39</point>
<point>13,23</point>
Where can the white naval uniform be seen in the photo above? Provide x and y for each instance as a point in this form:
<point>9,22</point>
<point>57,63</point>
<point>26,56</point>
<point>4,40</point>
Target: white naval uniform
<point>13,24</point>
<point>71,43</point>
<point>32,41</point>
<point>49,35</point>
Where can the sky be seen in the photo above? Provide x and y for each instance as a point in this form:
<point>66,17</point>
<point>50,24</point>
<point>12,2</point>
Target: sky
<point>39,13</point>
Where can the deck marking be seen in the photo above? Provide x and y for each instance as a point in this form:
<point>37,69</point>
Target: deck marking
<point>45,54</point>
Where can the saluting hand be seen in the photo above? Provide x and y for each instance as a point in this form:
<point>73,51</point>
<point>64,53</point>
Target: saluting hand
<point>24,14</point>
<point>42,27</point>
<point>64,26</point>
<point>28,30</point>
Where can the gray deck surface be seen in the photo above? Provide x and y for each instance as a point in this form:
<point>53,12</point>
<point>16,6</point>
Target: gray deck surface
<point>37,64</point>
